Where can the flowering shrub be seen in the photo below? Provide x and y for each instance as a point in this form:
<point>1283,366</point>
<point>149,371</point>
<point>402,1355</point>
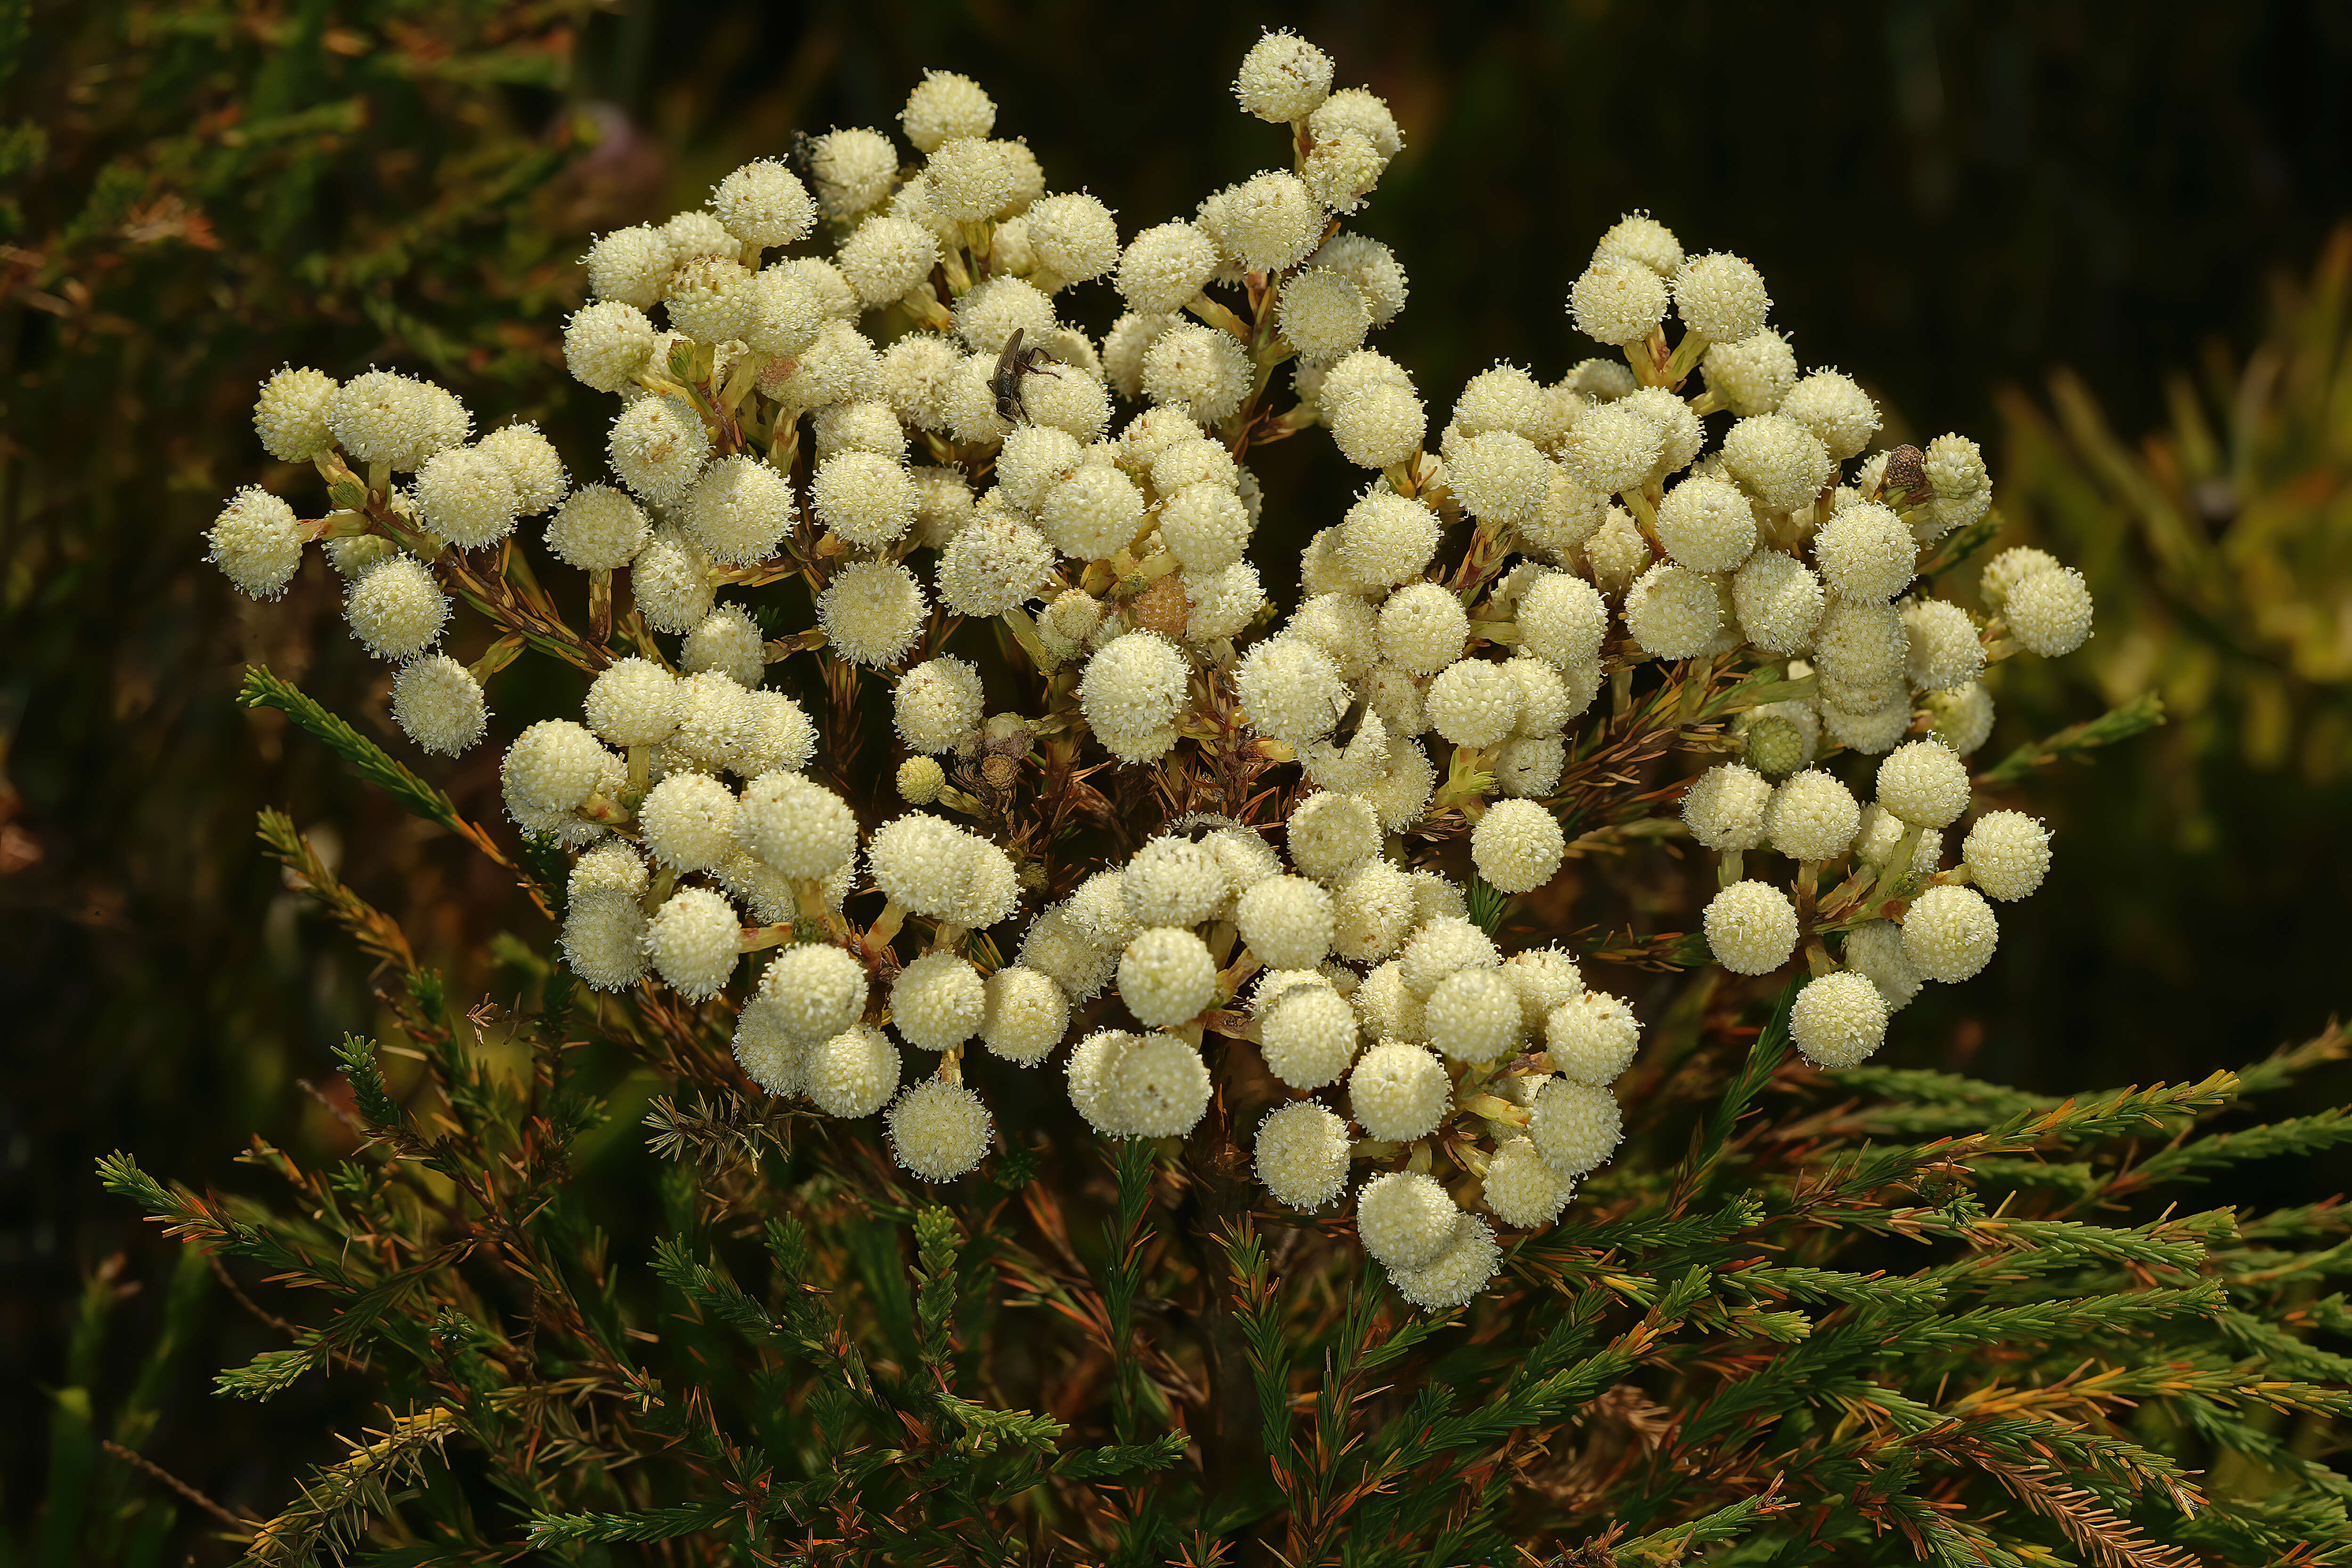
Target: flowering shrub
<point>1239,886</point>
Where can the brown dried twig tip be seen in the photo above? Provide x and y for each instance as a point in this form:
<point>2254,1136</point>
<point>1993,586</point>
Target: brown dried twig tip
<point>1905,479</point>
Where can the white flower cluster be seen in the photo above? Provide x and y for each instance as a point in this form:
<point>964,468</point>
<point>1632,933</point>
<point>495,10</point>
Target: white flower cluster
<point>867,374</point>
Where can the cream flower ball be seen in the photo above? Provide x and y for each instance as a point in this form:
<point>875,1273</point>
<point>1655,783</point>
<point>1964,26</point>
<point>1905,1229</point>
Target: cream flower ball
<point>1518,845</point>
<point>1398,1091</point>
<point>1751,928</point>
<point>1024,1016</point>
<point>1301,1154</point>
<point>1592,1038</point>
<point>938,1001</point>
<point>1575,1126</point>
<point>1405,1218</point>
<point>1166,976</point>
<point>1839,1019</point>
<point>938,1130</point>
<point>2007,853</point>
<point>1949,932</point>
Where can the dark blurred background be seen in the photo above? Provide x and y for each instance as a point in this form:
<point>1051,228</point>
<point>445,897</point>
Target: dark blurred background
<point>1952,200</point>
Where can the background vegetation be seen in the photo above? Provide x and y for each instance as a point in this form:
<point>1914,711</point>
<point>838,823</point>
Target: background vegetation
<point>1957,198</point>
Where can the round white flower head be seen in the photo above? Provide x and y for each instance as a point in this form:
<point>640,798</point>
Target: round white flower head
<point>1075,236</point>
<point>1123,349</point>
<point>1592,1038</point>
<point>1156,1086</point>
<point>689,821</point>
<point>866,498</point>
<point>1832,407</point>
<point>530,461</point>
<point>1301,1154</point>
<point>1779,462</point>
<point>694,939</point>
<point>1638,237</point>
<point>1283,78</point>
<point>1174,882</point>
<point>763,204</point>
<point>785,308</point>
<point>2007,853</point>
<point>1614,448</point>
<point>1166,976</point>
<point>839,365</point>
<point>1387,539</point>
<point>919,780</point>
<point>692,234</point>
<point>1460,1271</point>
<point>1518,845</point>
<point>718,723</point>
<point>938,1130</point>
<point>1292,690</point>
<point>1423,628</point>
<point>993,566</point>
<point>1721,297</point>
<point>1386,1009</point>
<point>2005,571</point>
<point>727,640</point>
<point>854,1073</point>
<point>911,379</point>
<point>1445,945</point>
<point>1811,816</point>
<point>396,609</point>
<point>1521,1190</point>
<point>1269,222</point>
<point>1475,702</point>
<point>1617,553</point>
<point>1949,933</point>
<point>938,704</point>
<point>1164,267</point>
<point>1751,928</point>
<point>1342,169</point>
<point>1362,112</point>
<point>2049,612</point>
<point>1562,619</point>
<point>1500,476</point>
<point>796,826</point>
<point>1093,513</point>
<point>1674,612</point>
<point>945,105</point>
<point>1545,979</point>
<point>1371,912</point>
<point>1861,646</point>
<point>1617,300</point>
<point>871,612</point>
<point>938,1001</point>
<point>1724,807</point>
<point>598,528</point>
<point>1400,795</point>
<point>550,770</point>
<point>709,298</point>
<point>1865,551</point>
<point>291,415</point>
<point>1405,1218</point>
<point>1575,1127</point>
<point>1474,1015</point>
<point>437,703</point>
<point>1342,625</point>
<point>1506,397</point>
<point>604,943</point>
<point>852,170</point>
<point>1025,1014</point>
<point>257,542</point>
<point>467,497</point>
<point>630,265</point>
<point>816,991</point>
<point>1923,784</point>
<point>352,556</point>
<point>1838,1019</point>
<point>659,446</point>
<point>1680,434</point>
<point>1205,526</point>
<point>1197,369</point>
<point>610,870</point>
<point>1331,835</point>
<point>1098,909</point>
<point>1751,376</point>
<point>740,510</point>
<point>1288,921</point>
<point>1087,1074</point>
<point>384,417</point>
<point>1323,314</point>
<point>1398,1092</point>
<point>992,312</point>
<point>870,427</point>
<point>1875,948</point>
<point>1309,1037</point>
<point>1134,684</point>
<point>1708,525</point>
<point>1945,651</point>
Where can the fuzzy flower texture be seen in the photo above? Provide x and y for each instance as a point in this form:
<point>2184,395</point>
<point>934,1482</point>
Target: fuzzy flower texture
<point>817,376</point>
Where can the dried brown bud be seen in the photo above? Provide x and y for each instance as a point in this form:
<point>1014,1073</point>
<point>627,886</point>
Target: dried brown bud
<point>1905,479</point>
<point>1161,607</point>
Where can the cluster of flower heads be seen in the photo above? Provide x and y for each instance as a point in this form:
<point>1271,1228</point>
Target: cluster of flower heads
<point>915,397</point>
